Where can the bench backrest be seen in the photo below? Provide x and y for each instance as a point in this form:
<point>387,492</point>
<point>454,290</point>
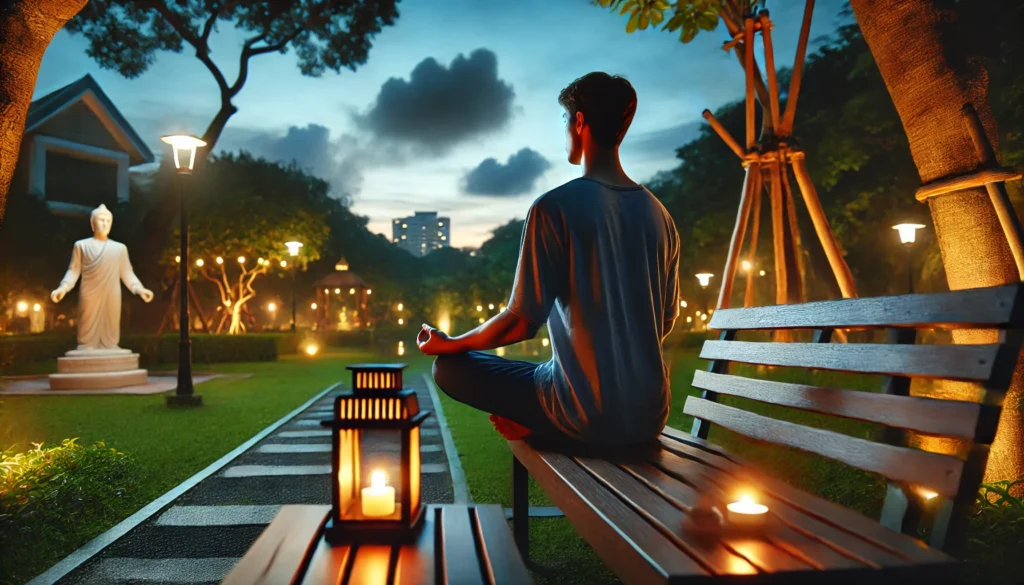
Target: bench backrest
<point>922,483</point>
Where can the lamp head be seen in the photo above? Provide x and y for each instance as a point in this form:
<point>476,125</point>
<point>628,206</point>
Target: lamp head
<point>908,231</point>
<point>293,248</point>
<point>182,144</point>
<point>704,278</point>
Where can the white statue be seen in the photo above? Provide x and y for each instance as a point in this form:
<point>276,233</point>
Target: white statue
<point>103,265</point>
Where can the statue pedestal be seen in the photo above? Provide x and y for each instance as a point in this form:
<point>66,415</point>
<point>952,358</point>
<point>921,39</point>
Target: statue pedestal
<point>97,370</point>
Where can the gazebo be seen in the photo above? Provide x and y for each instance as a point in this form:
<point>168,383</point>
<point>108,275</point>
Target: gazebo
<point>347,291</point>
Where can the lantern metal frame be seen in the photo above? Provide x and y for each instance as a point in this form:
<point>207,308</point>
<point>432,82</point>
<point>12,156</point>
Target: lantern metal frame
<point>366,409</point>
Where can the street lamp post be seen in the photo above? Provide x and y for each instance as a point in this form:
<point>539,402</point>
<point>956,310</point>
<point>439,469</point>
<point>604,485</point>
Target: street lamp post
<point>293,251</point>
<point>908,235</point>
<point>705,279</point>
<point>184,394</point>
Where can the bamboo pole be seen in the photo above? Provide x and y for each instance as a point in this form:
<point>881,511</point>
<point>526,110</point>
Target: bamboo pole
<point>724,134</point>
<point>769,65</point>
<point>736,243</point>
<point>821,226</point>
<point>759,86</point>
<point>996,191</point>
<point>755,215</point>
<point>793,233</point>
<point>786,126</point>
<point>778,235</point>
<point>748,67</point>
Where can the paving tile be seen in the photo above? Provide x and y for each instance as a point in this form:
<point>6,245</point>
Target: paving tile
<point>260,490</point>
<point>217,515</point>
<point>270,470</point>
<point>294,448</point>
<point>150,541</point>
<point>301,434</point>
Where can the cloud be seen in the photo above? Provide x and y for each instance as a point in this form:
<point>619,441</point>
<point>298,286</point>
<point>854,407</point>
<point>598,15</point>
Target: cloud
<point>340,160</point>
<point>662,142</point>
<point>439,107</point>
<point>515,177</point>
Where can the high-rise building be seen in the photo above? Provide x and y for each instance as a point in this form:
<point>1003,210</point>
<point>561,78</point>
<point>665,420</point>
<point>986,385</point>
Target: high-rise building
<point>422,233</point>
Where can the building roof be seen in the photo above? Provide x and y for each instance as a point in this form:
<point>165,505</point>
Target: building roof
<point>57,101</point>
<point>342,279</point>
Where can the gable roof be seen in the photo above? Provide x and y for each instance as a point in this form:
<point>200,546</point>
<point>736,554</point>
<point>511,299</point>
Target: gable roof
<point>57,101</point>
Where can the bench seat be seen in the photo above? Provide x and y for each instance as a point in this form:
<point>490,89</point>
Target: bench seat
<point>633,511</point>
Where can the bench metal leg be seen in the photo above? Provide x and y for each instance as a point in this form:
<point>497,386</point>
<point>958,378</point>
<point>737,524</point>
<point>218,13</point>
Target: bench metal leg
<point>521,507</point>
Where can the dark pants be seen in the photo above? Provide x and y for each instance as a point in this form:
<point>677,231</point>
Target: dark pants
<point>495,385</point>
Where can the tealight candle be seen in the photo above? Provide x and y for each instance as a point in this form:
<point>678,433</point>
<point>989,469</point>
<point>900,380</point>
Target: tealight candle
<point>378,499</point>
<point>746,512</point>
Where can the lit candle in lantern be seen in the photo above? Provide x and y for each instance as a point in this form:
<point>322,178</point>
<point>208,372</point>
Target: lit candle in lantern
<point>378,499</point>
<point>746,512</point>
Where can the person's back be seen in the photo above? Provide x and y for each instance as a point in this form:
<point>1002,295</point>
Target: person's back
<point>617,256</point>
<point>599,264</point>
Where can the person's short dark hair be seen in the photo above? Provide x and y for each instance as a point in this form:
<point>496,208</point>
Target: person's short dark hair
<point>607,102</point>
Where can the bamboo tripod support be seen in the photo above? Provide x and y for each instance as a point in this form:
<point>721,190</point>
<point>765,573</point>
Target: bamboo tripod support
<point>768,163</point>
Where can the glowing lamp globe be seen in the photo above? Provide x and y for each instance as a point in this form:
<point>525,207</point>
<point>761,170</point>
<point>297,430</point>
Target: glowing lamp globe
<point>183,145</point>
<point>704,278</point>
<point>293,248</point>
<point>375,459</point>
<point>907,231</point>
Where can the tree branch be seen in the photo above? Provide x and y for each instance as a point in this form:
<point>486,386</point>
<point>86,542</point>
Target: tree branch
<point>199,44</point>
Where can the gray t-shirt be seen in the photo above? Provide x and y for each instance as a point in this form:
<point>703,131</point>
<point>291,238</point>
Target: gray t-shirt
<point>600,264</point>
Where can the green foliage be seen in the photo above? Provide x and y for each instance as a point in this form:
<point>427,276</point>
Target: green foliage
<point>50,496</point>
<point>686,16</point>
<point>18,354</point>
<point>125,35</point>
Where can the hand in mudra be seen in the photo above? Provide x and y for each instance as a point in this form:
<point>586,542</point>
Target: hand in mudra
<point>146,295</point>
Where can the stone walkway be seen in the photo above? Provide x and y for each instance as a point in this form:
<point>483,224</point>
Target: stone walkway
<point>201,535</point>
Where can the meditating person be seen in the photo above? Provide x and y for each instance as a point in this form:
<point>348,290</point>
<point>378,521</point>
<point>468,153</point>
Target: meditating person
<point>599,263</point>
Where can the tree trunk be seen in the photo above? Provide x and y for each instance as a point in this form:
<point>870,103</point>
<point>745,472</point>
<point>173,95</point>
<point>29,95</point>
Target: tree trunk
<point>929,83</point>
<point>26,29</point>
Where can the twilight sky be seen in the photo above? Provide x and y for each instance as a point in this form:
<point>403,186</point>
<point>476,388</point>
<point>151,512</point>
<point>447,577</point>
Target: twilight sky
<point>456,109</point>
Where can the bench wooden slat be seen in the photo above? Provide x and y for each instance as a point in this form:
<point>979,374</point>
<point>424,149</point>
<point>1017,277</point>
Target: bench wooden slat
<point>864,552</point>
<point>834,514</point>
<point>461,565</point>
<point>502,559</point>
<point>812,551</point>
<point>416,563</point>
<point>668,519</point>
<point>370,565</point>
<point>276,556</point>
<point>925,415</point>
<point>940,473</point>
<point>633,549</point>
<point>327,563</point>
<point>987,307</point>
<point>953,362</point>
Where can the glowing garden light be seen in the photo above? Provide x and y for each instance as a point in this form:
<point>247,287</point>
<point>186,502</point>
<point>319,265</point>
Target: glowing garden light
<point>182,145</point>
<point>908,231</point>
<point>293,248</point>
<point>704,278</point>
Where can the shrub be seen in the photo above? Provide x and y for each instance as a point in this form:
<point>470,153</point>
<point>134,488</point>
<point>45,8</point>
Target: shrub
<point>55,498</point>
<point>18,352</point>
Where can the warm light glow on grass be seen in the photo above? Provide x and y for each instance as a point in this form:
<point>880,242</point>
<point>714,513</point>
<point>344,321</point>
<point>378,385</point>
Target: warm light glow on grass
<point>312,349</point>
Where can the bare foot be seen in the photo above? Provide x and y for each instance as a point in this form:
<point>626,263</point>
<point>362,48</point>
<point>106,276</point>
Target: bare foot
<point>511,430</point>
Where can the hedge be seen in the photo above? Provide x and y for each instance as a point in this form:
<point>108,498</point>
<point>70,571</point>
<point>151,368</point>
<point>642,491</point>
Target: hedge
<point>18,352</point>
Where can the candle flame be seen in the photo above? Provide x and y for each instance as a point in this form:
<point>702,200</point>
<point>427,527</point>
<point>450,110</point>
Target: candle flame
<point>377,480</point>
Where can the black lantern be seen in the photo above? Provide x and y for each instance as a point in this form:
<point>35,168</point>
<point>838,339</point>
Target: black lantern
<point>375,459</point>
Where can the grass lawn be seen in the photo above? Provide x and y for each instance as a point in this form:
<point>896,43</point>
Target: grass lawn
<point>170,445</point>
<point>994,536</point>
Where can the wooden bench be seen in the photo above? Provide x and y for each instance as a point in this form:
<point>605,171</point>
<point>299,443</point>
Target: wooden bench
<point>464,545</point>
<point>633,508</point>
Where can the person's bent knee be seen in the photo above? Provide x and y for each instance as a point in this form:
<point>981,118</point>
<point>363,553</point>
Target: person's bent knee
<point>450,372</point>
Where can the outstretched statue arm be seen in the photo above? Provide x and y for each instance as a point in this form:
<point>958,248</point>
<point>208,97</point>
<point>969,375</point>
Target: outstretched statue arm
<point>70,277</point>
<point>131,281</point>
